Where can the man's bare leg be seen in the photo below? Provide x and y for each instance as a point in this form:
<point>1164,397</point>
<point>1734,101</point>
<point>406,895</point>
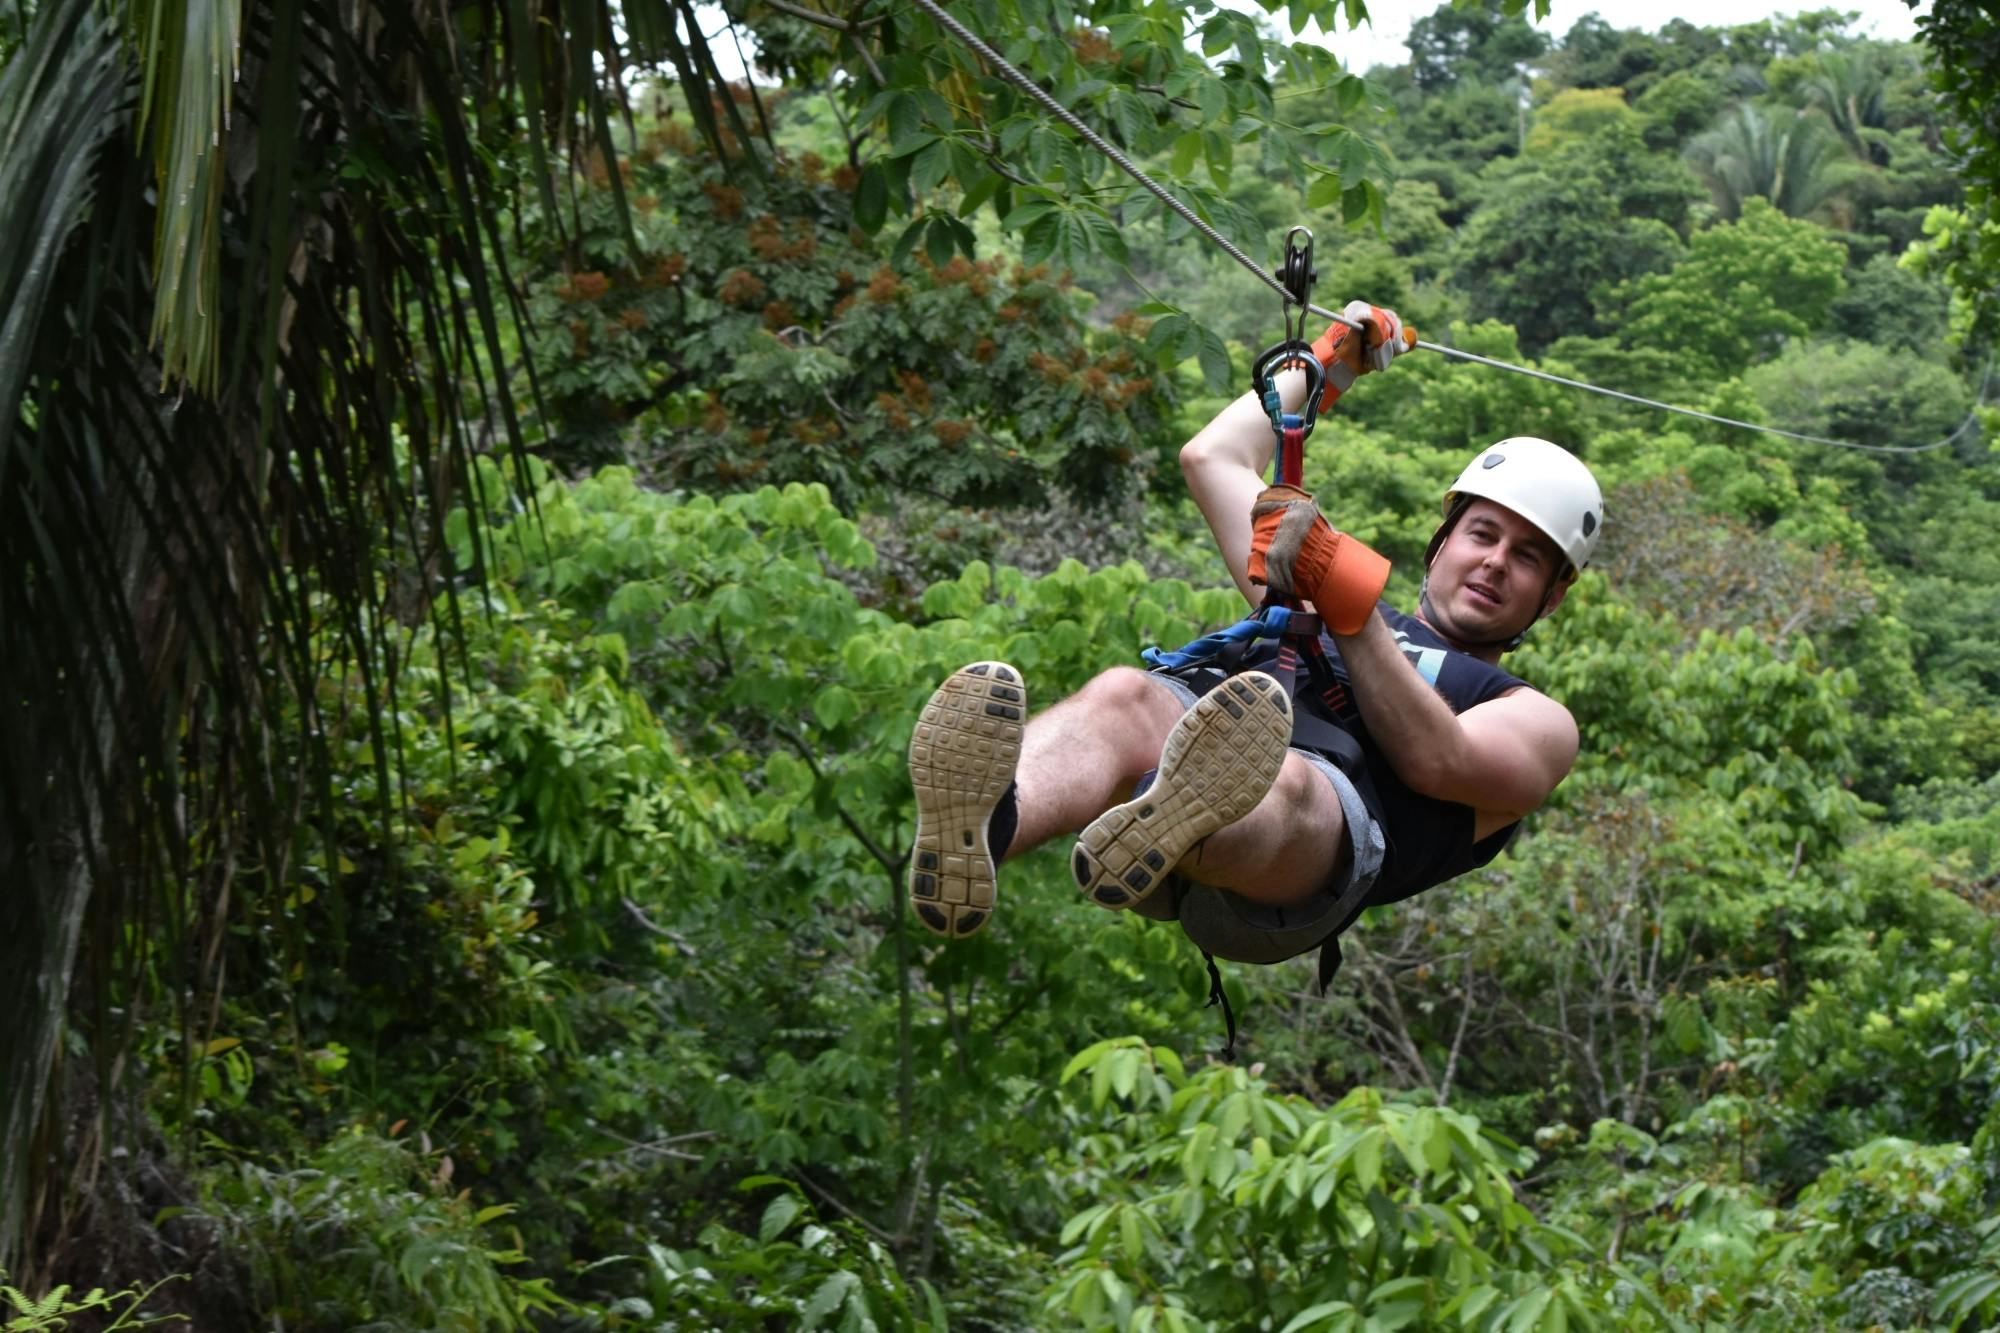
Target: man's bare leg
<point>990,783</point>
<point>1232,807</point>
<point>1085,754</point>
<point>1287,849</point>
<point>1076,761</point>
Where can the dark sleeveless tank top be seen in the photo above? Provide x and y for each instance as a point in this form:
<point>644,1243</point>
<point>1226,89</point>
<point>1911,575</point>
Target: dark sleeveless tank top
<point>1429,840</point>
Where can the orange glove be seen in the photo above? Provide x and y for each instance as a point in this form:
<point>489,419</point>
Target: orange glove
<point>1347,352</point>
<point>1296,553</point>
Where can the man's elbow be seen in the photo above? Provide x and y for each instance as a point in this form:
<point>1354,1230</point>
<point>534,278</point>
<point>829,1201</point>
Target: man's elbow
<point>1197,456</point>
<point>1427,776</point>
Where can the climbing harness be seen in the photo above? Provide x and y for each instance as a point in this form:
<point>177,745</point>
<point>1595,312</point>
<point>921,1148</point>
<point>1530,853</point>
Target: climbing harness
<point>1062,113</point>
<point>1297,632</point>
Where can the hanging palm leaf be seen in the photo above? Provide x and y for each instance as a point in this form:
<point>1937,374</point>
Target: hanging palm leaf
<point>256,313</point>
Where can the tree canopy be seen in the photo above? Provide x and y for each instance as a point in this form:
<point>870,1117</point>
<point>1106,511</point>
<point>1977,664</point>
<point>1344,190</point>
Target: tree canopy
<point>486,496</point>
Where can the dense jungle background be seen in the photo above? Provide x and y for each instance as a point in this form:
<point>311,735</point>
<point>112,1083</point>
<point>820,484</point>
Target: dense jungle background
<point>483,497</point>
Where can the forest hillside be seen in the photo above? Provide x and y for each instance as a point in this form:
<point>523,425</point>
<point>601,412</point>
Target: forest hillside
<point>484,508</point>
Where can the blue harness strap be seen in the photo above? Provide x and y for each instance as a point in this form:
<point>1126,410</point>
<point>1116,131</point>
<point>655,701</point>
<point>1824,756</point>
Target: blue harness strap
<point>1270,623</point>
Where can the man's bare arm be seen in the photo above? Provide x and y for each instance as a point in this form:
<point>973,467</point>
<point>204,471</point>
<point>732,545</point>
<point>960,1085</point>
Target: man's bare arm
<point>1225,464</point>
<point>1503,756</point>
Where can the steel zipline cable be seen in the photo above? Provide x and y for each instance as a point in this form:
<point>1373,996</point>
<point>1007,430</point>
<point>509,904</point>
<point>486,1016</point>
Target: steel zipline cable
<point>1090,136</point>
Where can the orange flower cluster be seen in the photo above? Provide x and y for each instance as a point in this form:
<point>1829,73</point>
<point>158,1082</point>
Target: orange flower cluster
<point>985,350</point>
<point>666,272</point>
<point>741,288</point>
<point>633,319</point>
<point>1093,47</point>
<point>771,243</point>
<point>778,315</point>
<point>1050,368</point>
<point>845,178</point>
<point>890,406</point>
<point>673,137</point>
<point>813,167</point>
<point>916,390</point>
<point>589,286</point>
<point>884,285</point>
<point>714,416</point>
<point>951,431</point>
<point>727,200</point>
<point>821,429</point>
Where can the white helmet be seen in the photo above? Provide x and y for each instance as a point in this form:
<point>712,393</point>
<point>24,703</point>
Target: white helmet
<point>1543,483</point>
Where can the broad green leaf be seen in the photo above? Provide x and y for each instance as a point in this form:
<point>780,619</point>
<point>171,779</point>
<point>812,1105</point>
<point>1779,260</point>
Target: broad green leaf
<point>779,1214</point>
<point>871,199</point>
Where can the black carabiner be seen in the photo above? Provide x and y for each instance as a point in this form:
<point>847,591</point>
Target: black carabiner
<point>1264,378</point>
<point>1296,275</point>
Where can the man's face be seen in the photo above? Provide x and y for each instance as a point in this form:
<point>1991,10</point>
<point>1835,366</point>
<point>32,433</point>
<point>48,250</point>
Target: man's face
<point>1491,576</point>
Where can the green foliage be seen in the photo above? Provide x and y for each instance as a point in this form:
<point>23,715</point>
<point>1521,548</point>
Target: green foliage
<point>1743,288</point>
<point>1901,309</point>
<point>1678,107</point>
<point>1556,228</point>
<point>759,336</point>
<point>55,1310</point>
<point>1861,391</point>
<point>368,1232</point>
<point>1212,1201</point>
<point>1960,35</point>
<point>1789,159</point>
<point>813,1275</point>
<point>1578,114</point>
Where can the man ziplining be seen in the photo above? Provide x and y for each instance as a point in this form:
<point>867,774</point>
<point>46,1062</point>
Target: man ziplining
<point>1265,829</point>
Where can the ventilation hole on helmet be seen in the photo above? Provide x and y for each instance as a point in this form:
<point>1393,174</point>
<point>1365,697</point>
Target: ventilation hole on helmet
<point>1589,522</point>
<point>1493,460</point>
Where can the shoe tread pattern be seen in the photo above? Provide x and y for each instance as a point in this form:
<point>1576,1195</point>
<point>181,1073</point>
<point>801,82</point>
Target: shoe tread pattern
<point>1216,765</point>
<point>962,756</point>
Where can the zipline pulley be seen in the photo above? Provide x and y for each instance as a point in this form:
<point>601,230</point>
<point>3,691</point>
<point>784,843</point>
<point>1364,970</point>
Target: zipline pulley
<point>1296,275</point>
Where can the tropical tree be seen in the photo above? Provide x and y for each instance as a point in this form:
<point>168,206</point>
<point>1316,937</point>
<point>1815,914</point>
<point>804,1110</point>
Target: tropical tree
<point>1776,276</point>
<point>260,315</point>
<point>1850,87</point>
<point>1790,158</point>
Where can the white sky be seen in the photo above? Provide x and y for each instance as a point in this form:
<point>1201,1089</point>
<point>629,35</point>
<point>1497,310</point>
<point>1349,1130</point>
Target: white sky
<point>1381,41</point>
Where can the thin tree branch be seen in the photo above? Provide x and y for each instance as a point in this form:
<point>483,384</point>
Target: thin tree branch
<point>825,1197</point>
<point>1457,1041</point>
<point>655,928</point>
<point>852,30</point>
<point>891,865</point>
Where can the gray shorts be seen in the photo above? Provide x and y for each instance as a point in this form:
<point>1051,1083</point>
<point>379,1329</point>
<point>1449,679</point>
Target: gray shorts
<point>1365,841</point>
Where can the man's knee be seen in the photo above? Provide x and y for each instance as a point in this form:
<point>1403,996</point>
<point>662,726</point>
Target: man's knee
<point>1303,793</point>
<point>1130,691</point>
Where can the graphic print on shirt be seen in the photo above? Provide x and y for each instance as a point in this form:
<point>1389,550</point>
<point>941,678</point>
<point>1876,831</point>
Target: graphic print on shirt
<point>1427,661</point>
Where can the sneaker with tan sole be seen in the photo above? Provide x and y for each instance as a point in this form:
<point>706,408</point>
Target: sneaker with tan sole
<point>962,758</point>
<point>1216,765</point>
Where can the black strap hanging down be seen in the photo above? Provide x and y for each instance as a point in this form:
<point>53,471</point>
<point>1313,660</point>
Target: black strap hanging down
<point>1217,995</point>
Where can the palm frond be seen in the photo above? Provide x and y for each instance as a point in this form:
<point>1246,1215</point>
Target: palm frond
<point>177,575</point>
<point>187,55</point>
